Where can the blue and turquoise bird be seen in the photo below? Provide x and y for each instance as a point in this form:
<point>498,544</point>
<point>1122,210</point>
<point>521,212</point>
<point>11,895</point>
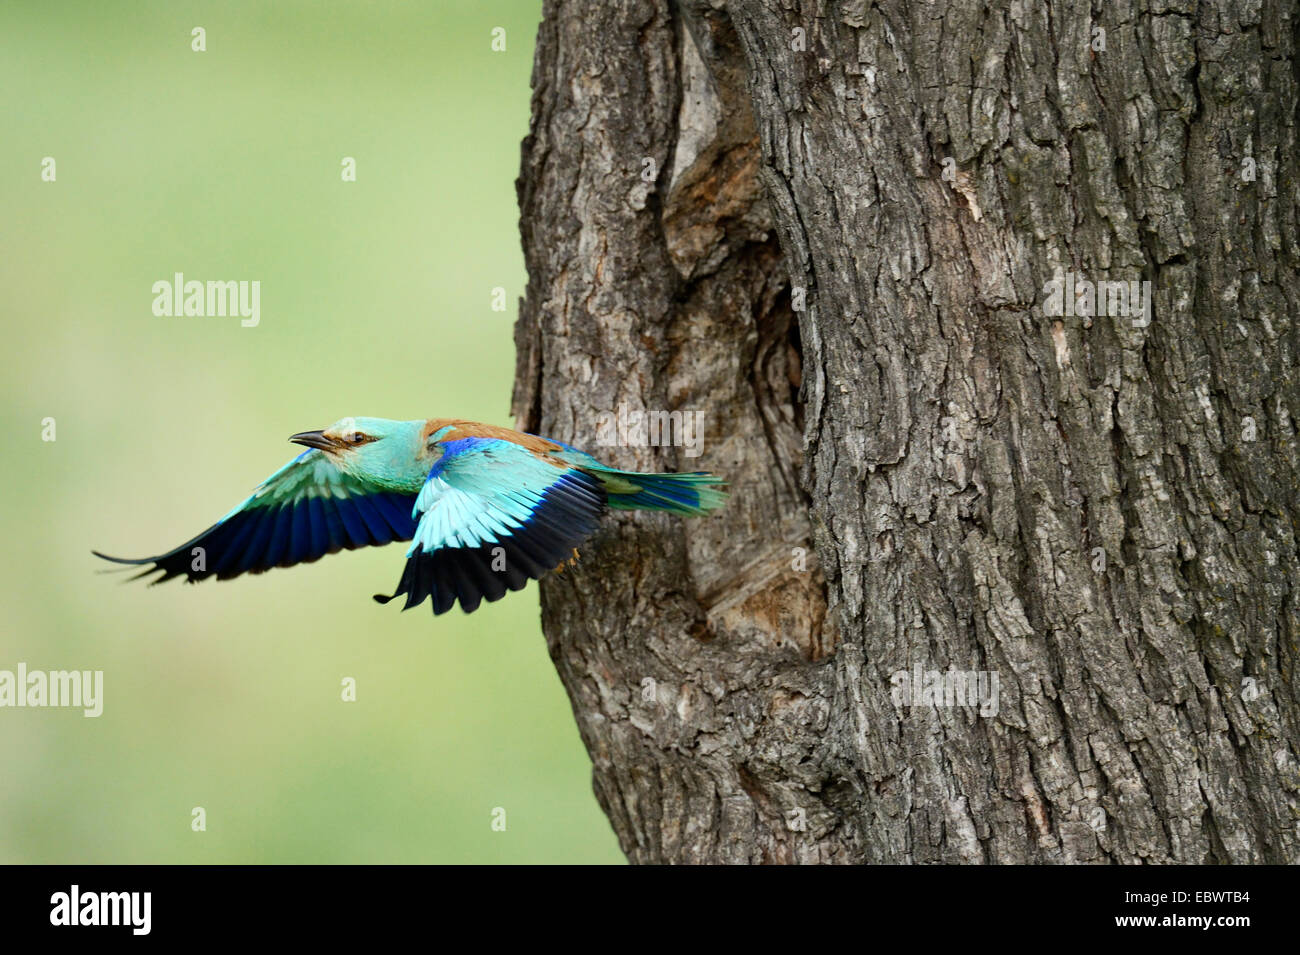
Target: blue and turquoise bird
<point>486,509</point>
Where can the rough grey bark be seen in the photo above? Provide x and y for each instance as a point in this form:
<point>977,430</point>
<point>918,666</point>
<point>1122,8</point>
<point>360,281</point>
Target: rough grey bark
<point>841,258</point>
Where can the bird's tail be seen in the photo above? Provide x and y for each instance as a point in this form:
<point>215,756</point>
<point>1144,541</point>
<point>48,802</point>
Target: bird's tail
<point>690,494</point>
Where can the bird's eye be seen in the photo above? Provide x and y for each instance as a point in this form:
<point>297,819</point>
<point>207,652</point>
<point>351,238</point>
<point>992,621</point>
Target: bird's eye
<point>356,437</point>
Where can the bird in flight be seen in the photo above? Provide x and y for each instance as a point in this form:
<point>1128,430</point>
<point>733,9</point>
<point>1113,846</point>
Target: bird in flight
<point>486,509</point>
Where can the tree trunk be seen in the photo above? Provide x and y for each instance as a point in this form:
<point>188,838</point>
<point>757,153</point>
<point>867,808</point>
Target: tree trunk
<point>833,229</point>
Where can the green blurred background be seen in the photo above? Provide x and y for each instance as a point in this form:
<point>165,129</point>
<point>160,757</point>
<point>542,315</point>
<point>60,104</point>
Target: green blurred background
<point>376,300</point>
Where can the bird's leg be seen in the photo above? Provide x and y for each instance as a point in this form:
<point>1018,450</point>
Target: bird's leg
<point>570,562</point>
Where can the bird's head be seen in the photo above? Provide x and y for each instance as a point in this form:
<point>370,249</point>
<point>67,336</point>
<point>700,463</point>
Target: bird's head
<point>381,451</point>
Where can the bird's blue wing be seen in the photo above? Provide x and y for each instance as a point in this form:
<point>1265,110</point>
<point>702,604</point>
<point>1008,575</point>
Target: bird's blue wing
<point>492,516</point>
<point>305,510</point>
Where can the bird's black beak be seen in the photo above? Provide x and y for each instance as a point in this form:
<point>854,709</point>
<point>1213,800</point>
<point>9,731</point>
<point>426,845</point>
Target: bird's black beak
<point>316,439</point>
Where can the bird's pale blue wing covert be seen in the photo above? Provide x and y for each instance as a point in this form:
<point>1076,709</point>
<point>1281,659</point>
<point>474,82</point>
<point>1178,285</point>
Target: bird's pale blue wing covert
<point>492,516</point>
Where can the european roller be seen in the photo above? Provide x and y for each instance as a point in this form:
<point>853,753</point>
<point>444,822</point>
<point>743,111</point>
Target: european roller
<point>486,509</point>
